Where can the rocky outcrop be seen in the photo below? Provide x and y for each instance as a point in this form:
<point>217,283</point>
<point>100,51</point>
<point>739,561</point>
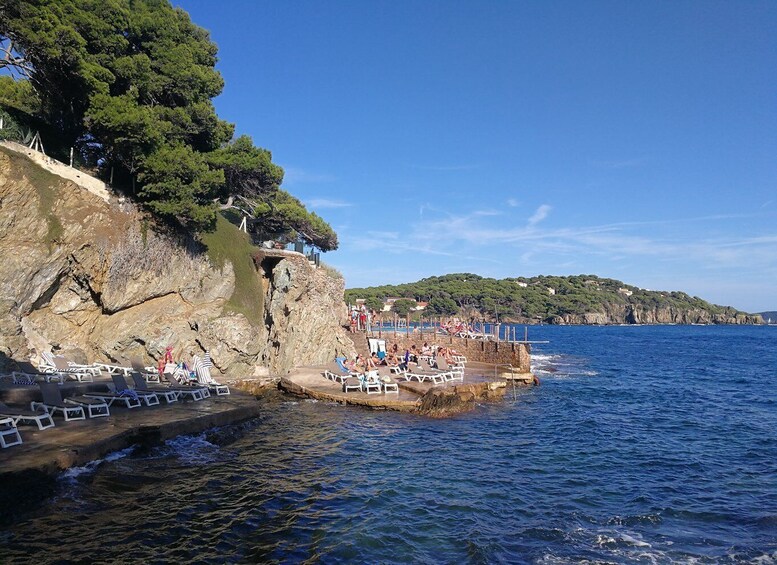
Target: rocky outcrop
<point>444,402</point>
<point>302,310</point>
<point>87,278</point>
<point>639,314</point>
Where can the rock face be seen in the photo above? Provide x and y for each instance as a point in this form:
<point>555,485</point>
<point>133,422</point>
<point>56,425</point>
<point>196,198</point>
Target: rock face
<point>443,402</point>
<point>87,278</point>
<point>637,314</point>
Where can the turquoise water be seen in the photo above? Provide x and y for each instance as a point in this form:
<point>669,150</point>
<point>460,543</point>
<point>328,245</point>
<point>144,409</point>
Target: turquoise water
<point>643,445</point>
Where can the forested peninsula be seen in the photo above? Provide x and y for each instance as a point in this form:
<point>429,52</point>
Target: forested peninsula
<point>580,299</point>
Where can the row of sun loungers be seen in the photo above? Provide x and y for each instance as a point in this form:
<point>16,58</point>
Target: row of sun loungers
<point>436,371</point>
<point>371,382</point>
<point>57,368</point>
<point>97,404</point>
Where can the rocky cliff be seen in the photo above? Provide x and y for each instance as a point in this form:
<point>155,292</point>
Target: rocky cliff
<point>87,277</point>
<point>633,314</point>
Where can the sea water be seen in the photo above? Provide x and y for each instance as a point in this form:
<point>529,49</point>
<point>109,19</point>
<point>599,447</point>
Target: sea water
<point>642,445</point>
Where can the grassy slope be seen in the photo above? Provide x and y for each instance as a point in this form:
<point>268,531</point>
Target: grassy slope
<point>45,184</point>
<point>227,243</point>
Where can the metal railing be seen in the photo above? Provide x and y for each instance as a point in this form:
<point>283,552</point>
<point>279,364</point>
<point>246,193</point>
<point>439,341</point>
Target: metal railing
<point>512,376</point>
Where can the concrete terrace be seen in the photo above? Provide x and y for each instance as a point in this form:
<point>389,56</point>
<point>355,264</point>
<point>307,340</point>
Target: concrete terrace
<point>76,443</point>
<point>310,382</point>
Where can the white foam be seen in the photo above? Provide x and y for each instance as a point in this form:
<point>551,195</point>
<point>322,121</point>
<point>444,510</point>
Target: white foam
<point>193,450</point>
<point>634,541</point>
<point>73,473</point>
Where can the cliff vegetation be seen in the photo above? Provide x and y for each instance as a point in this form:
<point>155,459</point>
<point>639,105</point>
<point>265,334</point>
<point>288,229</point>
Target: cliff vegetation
<point>104,285</point>
<point>129,86</point>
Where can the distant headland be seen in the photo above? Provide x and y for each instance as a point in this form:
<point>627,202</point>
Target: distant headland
<point>578,299</point>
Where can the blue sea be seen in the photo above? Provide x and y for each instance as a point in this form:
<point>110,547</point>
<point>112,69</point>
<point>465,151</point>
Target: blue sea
<point>642,445</point>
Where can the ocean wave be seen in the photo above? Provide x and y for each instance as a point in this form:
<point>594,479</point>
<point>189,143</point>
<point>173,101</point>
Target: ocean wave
<point>191,450</point>
<point>73,473</point>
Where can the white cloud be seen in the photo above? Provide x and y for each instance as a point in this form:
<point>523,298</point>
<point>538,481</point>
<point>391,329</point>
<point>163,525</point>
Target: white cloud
<point>298,176</point>
<point>326,203</point>
<point>620,164</point>
<point>446,168</point>
<point>541,213</point>
<point>513,202</point>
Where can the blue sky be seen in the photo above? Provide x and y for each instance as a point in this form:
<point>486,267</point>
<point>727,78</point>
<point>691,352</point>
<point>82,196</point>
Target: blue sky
<point>629,140</point>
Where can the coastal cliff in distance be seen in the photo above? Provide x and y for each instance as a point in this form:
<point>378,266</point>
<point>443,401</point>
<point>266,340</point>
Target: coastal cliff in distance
<point>580,299</point>
<point>87,276</point>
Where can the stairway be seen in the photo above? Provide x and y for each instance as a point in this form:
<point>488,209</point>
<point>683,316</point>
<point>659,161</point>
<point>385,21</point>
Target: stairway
<point>360,343</point>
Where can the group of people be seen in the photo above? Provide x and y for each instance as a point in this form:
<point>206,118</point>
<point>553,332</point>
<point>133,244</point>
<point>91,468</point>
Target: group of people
<point>395,358</point>
<point>458,327</point>
<point>361,318</point>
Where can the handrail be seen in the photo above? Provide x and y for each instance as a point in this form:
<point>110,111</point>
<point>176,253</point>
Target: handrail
<point>512,375</point>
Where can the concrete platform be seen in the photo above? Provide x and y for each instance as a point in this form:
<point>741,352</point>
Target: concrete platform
<point>480,381</point>
<point>75,443</point>
<point>310,382</point>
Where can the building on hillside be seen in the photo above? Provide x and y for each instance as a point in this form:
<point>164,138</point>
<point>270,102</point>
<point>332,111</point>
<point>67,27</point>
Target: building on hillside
<point>625,292</point>
<point>390,302</point>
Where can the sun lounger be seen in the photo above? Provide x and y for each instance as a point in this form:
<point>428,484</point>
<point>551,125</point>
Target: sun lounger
<point>456,373</point>
<point>141,386</point>
<point>422,375</point>
<point>336,377</point>
<point>370,383</point>
<point>390,387</point>
<point>58,364</point>
<point>151,374</point>
<point>387,384</point>
<point>40,417</point>
<point>335,373</point>
<point>195,393</point>
<point>114,369</point>
<point>20,378</point>
<point>53,403</point>
<point>70,407</point>
<point>147,396</point>
<point>202,370</point>
<point>351,384</point>
<point>129,398</point>
<point>362,383</point>
<point>9,435</point>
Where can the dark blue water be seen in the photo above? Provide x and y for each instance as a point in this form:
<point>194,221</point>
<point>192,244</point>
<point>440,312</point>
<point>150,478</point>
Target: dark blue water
<point>643,445</point>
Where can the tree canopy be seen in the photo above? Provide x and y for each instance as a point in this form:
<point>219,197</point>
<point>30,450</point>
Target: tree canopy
<point>527,298</point>
<point>130,84</point>
<point>403,307</point>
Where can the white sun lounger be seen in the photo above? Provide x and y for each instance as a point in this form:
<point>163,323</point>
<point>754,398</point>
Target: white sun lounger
<point>454,373</point>
<point>202,369</point>
<point>195,393</point>
<point>141,386</point>
<point>58,364</point>
<point>147,396</point>
<point>73,408</point>
<point>9,435</point>
<point>130,400</point>
<point>40,417</point>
